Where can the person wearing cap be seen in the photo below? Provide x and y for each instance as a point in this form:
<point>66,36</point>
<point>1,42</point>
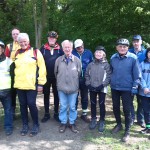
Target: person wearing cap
<point>125,79</point>
<point>97,77</point>
<point>10,51</point>
<point>86,57</point>
<point>67,72</point>
<point>51,51</point>
<point>5,89</point>
<point>144,91</point>
<point>139,50</point>
<point>30,76</point>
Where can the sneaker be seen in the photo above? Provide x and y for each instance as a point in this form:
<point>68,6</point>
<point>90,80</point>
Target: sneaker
<point>73,128</point>
<point>35,130</point>
<point>117,128</point>
<point>24,130</point>
<point>45,118</point>
<point>126,136</point>
<point>92,124</point>
<point>56,117</point>
<point>85,118</point>
<point>62,128</point>
<point>141,124</point>
<point>101,126</point>
<point>145,131</point>
<point>8,132</point>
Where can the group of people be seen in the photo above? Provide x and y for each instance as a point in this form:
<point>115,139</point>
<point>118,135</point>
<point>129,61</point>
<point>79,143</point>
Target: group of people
<point>26,71</point>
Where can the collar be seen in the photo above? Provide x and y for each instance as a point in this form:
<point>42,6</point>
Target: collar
<point>47,46</point>
<point>71,57</point>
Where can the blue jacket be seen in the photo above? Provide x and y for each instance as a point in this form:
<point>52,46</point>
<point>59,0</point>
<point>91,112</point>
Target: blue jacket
<point>125,72</point>
<point>140,55</point>
<point>86,57</point>
<point>145,80</point>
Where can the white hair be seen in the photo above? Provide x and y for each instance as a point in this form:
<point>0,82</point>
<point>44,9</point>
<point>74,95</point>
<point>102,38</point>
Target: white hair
<point>67,41</point>
<point>23,36</point>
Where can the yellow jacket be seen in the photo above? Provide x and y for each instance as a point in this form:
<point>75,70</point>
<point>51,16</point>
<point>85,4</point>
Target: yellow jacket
<point>29,71</point>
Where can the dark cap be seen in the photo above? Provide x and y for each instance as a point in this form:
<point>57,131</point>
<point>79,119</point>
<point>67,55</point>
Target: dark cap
<point>52,34</point>
<point>136,37</point>
<point>102,48</point>
<point>2,44</point>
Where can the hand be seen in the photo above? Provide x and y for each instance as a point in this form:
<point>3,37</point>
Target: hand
<point>39,89</point>
<point>99,88</point>
<point>146,91</point>
<point>134,91</point>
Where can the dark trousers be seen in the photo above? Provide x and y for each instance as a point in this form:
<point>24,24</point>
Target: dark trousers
<point>93,99</point>
<point>50,82</point>
<point>145,101</point>
<point>27,98</point>
<point>126,103</point>
<point>140,113</point>
<point>84,94</point>
<point>13,97</point>
<point>5,98</point>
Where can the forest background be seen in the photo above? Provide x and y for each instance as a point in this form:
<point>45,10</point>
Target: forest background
<point>96,22</point>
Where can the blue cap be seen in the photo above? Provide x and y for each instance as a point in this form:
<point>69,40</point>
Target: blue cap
<point>137,37</point>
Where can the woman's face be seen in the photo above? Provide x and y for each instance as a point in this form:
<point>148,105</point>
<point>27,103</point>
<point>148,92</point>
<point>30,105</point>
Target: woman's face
<point>23,42</point>
<point>99,54</point>
<point>1,50</point>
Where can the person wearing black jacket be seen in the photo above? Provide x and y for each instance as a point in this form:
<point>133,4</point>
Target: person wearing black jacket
<point>50,51</point>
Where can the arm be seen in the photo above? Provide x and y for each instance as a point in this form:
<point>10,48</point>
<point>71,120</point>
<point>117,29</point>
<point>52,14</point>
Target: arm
<point>87,75</point>
<point>108,74</point>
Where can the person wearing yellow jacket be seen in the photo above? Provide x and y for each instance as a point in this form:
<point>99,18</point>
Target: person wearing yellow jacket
<point>5,89</point>
<point>30,76</point>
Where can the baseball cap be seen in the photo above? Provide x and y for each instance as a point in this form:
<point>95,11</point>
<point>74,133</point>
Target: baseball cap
<point>137,37</point>
<point>78,43</point>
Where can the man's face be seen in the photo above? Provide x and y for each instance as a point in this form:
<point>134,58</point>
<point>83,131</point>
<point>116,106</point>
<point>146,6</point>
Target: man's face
<point>67,48</point>
<point>148,55</point>
<point>80,49</point>
<point>15,34</point>
<point>52,41</point>
<point>23,42</point>
<point>137,43</point>
<point>122,49</point>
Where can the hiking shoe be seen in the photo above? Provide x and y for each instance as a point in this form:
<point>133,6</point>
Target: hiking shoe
<point>132,122</point>
<point>62,128</point>
<point>117,128</point>
<point>85,118</point>
<point>145,131</point>
<point>8,132</point>
<point>56,117</point>
<point>126,136</point>
<point>141,124</point>
<point>93,124</point>
<point>35,130</point>
<point>24,130</point>
<point>73,128</point>
<point>45,118</point>
<point>101,126</point>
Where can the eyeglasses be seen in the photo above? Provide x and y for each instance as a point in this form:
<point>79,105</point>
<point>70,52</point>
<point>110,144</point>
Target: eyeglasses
<point>79,47</point>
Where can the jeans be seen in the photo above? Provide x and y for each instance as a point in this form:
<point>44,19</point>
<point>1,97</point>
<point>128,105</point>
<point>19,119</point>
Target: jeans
<point>93,99</point>
<point>6,102</point>
<point>46,91</point>
<point>27,98</point>
<point>13,96</point>
<point>145,101</point>
<point>84,94</point>
<point>126,103</point>
<point>140,115</point>
<point>67,103</point>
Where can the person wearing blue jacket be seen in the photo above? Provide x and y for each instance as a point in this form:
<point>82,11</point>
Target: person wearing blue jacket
<point>139,50</point>
<point>125,79</point>
<point>144,91</point>
<point>86,57</point>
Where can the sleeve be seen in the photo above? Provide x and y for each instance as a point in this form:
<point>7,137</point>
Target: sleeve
<point>136,73</point>
<point>79,67</point>
<point>42,69</point>
<point>91,57</point>
<point>87,75</point>
<point>108,74</point>
<point>7,50</point>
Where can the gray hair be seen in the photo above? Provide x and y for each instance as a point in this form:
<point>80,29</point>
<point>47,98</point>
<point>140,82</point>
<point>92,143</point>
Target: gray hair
<point>67,41</point>
<point>23,35</point>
